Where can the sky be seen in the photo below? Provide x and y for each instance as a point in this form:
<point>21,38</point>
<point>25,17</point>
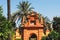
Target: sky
<point>49,8</point>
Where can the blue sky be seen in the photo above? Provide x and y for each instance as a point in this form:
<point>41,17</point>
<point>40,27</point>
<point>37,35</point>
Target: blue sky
<point>48,8</point>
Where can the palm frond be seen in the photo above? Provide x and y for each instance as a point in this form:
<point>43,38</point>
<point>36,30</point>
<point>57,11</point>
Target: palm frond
<point>24,7</point>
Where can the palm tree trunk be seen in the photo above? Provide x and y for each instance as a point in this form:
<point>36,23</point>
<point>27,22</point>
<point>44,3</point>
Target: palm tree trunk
<point>9,16</point>
<point>8,10</point>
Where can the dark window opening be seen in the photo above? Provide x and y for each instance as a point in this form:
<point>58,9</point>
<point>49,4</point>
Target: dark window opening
<point>33,22</point>
<point>33,37</point>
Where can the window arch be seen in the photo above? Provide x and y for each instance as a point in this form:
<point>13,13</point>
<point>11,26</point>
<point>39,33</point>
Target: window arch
<point>33,37</point>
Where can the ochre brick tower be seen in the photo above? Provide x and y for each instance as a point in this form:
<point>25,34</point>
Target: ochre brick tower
<point>33,27</point>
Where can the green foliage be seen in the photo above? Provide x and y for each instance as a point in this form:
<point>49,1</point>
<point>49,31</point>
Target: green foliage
<point>53,35</point>
<point>56,24</point>
<point>1,11</point>
<point>6,27</point>
<point>24,7</point>
<point>18,39</point>
<point>43,38</point>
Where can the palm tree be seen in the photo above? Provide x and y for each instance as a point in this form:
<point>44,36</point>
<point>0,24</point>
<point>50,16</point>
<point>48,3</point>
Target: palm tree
<point>24,7</point>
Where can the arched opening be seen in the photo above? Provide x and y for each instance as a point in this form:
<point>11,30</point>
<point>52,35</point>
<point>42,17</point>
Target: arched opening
<point>33,37</point>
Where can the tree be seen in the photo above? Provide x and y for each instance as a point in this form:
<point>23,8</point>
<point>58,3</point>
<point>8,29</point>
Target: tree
<point>24,7</point>
<point>9,16</point>
<point>6,27</point>
<point>56,24</point>
<point>53,35</point>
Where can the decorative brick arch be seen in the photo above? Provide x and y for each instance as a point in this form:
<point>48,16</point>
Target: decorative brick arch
<point>32,34</point>
<point>34,25</point>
